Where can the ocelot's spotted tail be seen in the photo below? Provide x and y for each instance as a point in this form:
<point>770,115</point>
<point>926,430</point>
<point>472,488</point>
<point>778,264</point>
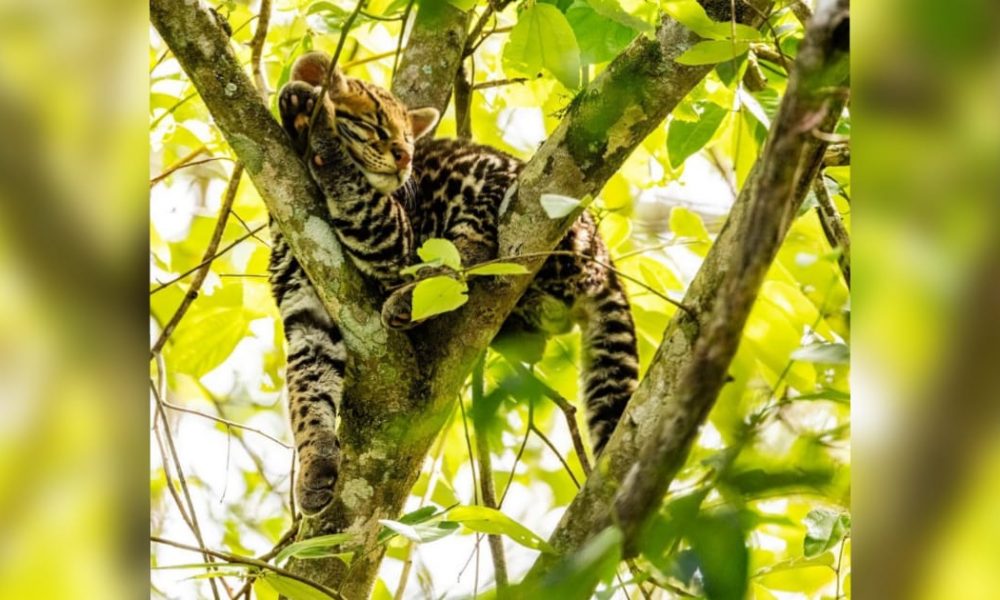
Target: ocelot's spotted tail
<point>387,191</point>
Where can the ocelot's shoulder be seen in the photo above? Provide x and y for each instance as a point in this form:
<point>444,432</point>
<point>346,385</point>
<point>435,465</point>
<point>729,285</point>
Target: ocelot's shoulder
<point>453,148</point>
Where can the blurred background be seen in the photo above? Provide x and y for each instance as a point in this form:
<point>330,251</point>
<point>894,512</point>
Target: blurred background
<point>74,333</point>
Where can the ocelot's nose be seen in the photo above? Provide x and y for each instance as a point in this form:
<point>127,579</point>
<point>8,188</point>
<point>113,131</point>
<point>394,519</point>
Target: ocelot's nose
<point>402,157</point>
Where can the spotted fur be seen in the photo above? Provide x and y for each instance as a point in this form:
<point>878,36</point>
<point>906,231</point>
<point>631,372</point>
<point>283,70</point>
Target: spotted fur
<point>388,190</point>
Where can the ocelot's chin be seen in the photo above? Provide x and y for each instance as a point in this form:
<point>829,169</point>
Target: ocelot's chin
<point>387,183</point>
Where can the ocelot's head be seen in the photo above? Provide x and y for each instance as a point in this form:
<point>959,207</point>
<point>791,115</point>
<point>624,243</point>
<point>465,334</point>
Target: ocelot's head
<point>377,130</point>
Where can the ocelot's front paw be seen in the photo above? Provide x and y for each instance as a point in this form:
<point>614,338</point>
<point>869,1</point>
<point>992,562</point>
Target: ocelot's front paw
<point>296,102</point>
<point>397,312</point>
<point>315,481</point>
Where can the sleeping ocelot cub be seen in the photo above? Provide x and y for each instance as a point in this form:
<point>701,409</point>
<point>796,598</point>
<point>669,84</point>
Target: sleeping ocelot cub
<point>389,189</point>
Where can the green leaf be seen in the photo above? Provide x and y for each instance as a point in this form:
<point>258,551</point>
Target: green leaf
<point>381,591</point>
<point>557,206</point>
<point>712,52</point>
<point>402,529</point>
<point>543,38</point>
<point>577,575</point>
<point>502,268</point>
<point>292,588</point>
<point>488,520</point>
<point>438,249</point>
<point>684,138</point>
<point>317,547</point>
<point>823,560</point>
<point>687,224</point>
<point>826,394</point>
<point>600,40</point>
<point>824,530</point>
<point>823,352</point>
<point>263,591</point>
<point>717,540</point>
<point>206,338</point>
<point>693,16</point>
<point>615,12</point>
<point>438,295</point>
<point>463,5</point>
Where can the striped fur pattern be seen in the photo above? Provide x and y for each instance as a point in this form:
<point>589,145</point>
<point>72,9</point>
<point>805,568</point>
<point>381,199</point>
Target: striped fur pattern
<point>388,191</point>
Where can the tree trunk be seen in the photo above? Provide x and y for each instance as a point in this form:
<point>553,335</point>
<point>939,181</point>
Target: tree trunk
<point>399,392</point>
<point>663,417</point>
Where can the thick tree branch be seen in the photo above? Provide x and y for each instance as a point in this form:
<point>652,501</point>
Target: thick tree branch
<point>294,201</point>
<point>401,404</point>
<point>689,369</point>
<point>602,127</point>
<point>432,57</point>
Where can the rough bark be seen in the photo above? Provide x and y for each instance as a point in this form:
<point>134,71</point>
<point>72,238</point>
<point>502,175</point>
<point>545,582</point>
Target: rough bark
<point>432,57</point>
<point>689,369</point>
<point>395,404</point>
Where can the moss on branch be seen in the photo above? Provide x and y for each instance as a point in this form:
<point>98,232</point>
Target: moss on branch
<point>663,418</point>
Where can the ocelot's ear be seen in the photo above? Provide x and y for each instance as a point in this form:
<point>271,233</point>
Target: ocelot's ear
<point>423,120</point>
<point>338,87</point>
<point>312,68</point>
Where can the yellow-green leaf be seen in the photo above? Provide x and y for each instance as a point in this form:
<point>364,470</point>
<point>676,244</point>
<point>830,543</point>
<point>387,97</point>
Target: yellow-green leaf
<point>438,295</point>
<point>443,250</point>
<point>687,224</point>
<point>293,589</point>
<point>543,38</point>
<point>488,520</point>
<point>693,16</point>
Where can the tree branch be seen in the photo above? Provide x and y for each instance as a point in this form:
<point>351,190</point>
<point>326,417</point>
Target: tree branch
<point>432,56</point>
<point>487,488</point>
<point>405,402</point>
<point>293,200</point>
<point>602,127</point>
<point>833,227</point>
<point>690,366</point>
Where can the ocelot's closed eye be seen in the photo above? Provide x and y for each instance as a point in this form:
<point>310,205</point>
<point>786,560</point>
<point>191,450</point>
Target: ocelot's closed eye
<point>380,178</point>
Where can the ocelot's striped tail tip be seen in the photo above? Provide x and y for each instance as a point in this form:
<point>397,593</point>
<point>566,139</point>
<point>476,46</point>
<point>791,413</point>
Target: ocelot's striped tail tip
<point>312,502</point>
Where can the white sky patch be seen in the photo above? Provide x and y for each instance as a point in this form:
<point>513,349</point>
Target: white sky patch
<point>522,128</point>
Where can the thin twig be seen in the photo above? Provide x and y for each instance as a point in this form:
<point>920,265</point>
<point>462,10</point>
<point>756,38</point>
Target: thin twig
<point>209,260</point>
<point>226,422</point>
<point>380,17</point>
<point>257,49</point>
<point>180,163</point>
<point>833,226</point>
<point>486,485</point>
<point>171,171</point>
<point>472,456</point>
<point>227,204</point>
<point>520,451</point>
<point>285,540</point>
<point>361,61</point>
<point>172,108</point>
<point>568,411</point>
<point>250,562</point>
<point>332,68</point>
<point>499,82</point>
<point>534,429</point>
<point>192,513</point>
<point>402,33</point>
